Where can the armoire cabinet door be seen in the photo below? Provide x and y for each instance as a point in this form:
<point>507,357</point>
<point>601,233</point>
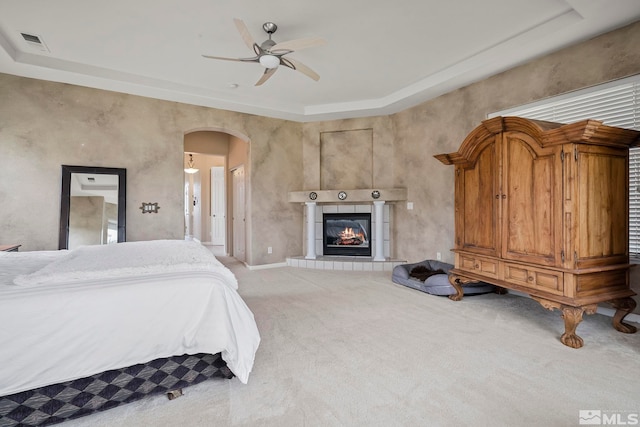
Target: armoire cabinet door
<point>531,197</point>
<point>601,234</point>
<point>476,203</point>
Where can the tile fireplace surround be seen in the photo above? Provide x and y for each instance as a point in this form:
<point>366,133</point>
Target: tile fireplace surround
<point>371,201</point>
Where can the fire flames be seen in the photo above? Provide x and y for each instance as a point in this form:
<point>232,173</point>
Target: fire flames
<point>349,237</point>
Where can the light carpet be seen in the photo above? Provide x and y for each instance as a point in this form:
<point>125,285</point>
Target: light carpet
<point>354,349</point>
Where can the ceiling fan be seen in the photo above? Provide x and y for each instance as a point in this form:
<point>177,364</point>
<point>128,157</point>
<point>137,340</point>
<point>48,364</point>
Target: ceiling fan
<point>271,54</point>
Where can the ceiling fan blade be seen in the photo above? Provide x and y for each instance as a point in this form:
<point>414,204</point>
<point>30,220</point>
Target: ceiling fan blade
<point>254,59</point>
<point>245,34</point>
<point>299,66</point>
<point>268,72</point>
<point>298,44</point>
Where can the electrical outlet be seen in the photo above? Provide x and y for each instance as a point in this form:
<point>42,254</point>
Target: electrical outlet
<point>269,250</point>
<point>409,206</point>
<point>439,256</point>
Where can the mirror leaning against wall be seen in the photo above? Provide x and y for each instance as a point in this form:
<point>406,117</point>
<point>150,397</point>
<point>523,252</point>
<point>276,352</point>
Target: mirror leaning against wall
<point>92,206</point>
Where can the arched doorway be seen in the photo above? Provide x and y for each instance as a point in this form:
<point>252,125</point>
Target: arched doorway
<point>210,197</point>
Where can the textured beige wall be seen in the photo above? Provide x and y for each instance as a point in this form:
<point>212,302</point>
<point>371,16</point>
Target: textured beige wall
<point>373,135</point>
<point>44,125</point>
<point>346,159</point>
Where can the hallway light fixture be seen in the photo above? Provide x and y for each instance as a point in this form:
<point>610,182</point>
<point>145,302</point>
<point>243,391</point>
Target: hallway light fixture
<point>190,168</point>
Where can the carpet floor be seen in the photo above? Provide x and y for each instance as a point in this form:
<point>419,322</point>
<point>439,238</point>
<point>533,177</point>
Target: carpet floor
<point>354,349</point>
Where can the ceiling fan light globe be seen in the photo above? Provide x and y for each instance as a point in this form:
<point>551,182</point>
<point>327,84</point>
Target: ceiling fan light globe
<point>269,61</point>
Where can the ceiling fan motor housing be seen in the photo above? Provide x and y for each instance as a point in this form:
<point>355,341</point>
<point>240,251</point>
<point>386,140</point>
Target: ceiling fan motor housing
<point>267,45</point>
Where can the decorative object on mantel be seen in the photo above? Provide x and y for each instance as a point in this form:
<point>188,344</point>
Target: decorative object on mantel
<point>342,195</point>
<point>313,195</point>
<point>375,194</point>
<point>149,208</point>
<point>355,195</point>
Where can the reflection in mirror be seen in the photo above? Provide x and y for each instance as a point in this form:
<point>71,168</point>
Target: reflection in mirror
<point>93,206</point>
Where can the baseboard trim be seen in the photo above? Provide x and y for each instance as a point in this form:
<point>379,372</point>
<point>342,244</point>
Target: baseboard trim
<point>265,266</point>
<point>610,312</point>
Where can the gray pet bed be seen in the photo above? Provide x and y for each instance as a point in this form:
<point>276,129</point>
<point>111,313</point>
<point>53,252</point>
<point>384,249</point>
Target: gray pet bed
<point>438,284</point>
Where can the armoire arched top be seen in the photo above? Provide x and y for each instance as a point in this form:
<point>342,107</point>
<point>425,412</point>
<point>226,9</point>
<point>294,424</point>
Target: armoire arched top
<point>546,134</point>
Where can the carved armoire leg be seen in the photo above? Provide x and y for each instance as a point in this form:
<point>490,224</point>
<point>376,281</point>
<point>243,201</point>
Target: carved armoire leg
<point>623,307</point>
<point>456,282</point>
<point>572,317</point>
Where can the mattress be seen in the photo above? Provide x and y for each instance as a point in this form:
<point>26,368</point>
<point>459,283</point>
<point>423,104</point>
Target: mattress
<point>66,315</point>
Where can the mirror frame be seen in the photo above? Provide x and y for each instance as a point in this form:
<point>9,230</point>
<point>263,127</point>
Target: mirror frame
<point>65,199</point>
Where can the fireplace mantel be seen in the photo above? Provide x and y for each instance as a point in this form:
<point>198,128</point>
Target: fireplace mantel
<point>361,195</point>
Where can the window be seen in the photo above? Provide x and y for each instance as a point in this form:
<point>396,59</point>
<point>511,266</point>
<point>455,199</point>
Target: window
<point>616,104</point>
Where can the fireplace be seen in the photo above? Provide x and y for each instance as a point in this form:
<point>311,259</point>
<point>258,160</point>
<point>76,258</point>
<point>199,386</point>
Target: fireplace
<point>346,234</point>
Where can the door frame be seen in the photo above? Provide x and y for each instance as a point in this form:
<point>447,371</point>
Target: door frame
<point>218,173</point>
<point>236,199</point>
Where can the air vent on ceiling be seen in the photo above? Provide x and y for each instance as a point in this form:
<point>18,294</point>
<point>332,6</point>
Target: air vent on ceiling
<point>35,42</point>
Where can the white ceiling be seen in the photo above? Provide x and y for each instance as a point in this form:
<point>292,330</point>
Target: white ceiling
<point>380,58</point>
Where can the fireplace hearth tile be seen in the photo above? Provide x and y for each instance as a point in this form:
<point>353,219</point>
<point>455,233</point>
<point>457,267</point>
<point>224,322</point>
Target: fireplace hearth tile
<point>345,263</point>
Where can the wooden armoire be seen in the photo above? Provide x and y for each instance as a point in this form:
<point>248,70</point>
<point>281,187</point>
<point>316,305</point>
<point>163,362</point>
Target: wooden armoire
<point>542,208</point>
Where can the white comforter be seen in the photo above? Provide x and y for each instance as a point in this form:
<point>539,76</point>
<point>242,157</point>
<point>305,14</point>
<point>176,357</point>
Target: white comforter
<point>69,314</point>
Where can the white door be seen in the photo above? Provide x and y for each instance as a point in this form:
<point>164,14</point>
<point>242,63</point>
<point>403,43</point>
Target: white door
<point>197,209</point>
<point>188,219</point>
<point>218,206</point>
<point>238,214</point>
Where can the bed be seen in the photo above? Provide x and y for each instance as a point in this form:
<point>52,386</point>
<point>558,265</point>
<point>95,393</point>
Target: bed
<point>130,315</point>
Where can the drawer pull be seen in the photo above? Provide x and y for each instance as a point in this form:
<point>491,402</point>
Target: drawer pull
<point>530,278</point>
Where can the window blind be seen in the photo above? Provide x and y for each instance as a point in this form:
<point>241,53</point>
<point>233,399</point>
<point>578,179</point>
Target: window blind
<point>616,104</point>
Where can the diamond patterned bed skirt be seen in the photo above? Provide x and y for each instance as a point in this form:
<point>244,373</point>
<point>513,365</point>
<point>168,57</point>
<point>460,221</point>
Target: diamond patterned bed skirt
<point>72,399</point>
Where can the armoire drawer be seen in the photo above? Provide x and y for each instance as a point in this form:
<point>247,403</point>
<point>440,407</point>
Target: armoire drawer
<point>479,265</point>
<point>536,278</point>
